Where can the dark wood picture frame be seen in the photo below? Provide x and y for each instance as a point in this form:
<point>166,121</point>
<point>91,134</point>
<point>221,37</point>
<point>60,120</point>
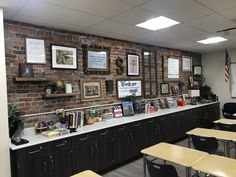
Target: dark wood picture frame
<point>96,60</point>
<point>64,57</point>
<point>164,88</point>
<point>197,70</point>
<point>133,64</point>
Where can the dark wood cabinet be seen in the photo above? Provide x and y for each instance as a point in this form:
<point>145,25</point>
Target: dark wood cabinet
<point>60,158</point>
<point>99,150</point>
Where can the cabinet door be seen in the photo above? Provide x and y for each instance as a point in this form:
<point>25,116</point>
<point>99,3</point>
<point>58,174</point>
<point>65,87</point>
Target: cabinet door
<point>82,152</point>
<point>122,137</point>
<point>104,149</point>
<point>164,129</point>
<point>30,162</point>
<point>152,134</point>
<point>136,139</point>
<point>60,158</point>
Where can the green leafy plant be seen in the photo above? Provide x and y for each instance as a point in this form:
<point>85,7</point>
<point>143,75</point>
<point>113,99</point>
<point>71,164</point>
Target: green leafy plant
<point>14,118</point>
<point>205,91</point>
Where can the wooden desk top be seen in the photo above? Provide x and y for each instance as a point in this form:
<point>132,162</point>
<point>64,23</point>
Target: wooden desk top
<point>87,173</point>
<point>219,134</point>
<point>217,166</point>
<point>226,121</point>
<point>173,153</point>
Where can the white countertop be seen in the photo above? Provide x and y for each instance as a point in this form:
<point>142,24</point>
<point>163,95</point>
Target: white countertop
<point>29,133</point>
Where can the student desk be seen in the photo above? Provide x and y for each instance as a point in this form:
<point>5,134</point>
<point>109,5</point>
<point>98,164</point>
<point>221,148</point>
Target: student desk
<point>173,153</point>
<point>218,134</point>
<point>226,121</point>
<point>87,173</point>
<point>217,166</point>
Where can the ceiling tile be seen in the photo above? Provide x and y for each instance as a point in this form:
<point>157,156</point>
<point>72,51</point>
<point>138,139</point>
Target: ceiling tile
<point>47,23</point>
<point>11,7</point>
<point>135,16</point>
<point>55,13</point>
<point>118,28</point>
<point>102,8</point>
<point>134,2</point>
<point>229,13</point>
<point>211,23</point>
<point>218,5</point>
<point>180,10</point>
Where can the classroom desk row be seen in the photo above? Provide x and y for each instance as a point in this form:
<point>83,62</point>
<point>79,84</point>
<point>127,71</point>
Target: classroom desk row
<point>190,158</point>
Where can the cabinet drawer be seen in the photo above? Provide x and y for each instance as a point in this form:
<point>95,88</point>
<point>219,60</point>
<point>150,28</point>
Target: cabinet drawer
<point>60,144</point>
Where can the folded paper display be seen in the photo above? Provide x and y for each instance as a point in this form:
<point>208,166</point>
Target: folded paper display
<point>68,88</point>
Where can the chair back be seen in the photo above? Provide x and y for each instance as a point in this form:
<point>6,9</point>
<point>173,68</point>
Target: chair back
<point>228,110</point>
<point>226,127</point>
<point>206,144</point>
<point>161,170</point>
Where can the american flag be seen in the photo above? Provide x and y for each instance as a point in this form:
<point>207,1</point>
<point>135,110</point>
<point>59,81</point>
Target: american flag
<point>227,66</point>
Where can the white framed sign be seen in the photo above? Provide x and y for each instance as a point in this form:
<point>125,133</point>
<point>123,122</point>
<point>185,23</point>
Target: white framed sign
<point>187,63</point>
<point>128,88</point>
<point>35,51</point>
<point>97,59</point>
<point>173,68</point>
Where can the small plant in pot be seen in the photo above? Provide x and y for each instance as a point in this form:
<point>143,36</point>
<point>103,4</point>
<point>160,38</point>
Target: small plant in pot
<point>14,118</point>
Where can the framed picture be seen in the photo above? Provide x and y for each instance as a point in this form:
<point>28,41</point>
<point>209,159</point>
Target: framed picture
<point>191,81</point>
<point>127,88</point>
<point>186,63</point>
<point>35,51</point>
<point>197,70</point>
<point>128,109</point>
<point>164,88</point>
<point>64,57</point>
<point>91,90</point>
<point>132,64</point>
<point>26,70</point>
<point>96,60</point>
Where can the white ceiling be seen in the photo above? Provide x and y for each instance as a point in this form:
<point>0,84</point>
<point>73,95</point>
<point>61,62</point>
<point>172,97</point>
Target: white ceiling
<point>117,18</point>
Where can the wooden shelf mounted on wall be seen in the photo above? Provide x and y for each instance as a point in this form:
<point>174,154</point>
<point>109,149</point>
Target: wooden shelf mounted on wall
<point>58,95</point>
<point>32,79</point>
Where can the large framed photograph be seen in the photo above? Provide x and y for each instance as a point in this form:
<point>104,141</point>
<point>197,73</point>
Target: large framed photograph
<point>35,51</point>
<point>164,88</point>
<point>127,88</point>
<point>132,64</point>
<point>96,60</point>
<point>91,90</point>
<point>186,63</point>
<point>64,57</point>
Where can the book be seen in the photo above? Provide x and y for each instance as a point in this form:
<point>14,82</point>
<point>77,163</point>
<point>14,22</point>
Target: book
<point>117,111</point>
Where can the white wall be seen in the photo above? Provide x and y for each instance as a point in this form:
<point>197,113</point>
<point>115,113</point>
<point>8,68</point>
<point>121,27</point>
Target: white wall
<point>214,72</point>
<point>4,137</point>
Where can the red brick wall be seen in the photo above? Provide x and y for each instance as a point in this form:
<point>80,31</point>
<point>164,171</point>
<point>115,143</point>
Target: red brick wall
<point>28,95</point>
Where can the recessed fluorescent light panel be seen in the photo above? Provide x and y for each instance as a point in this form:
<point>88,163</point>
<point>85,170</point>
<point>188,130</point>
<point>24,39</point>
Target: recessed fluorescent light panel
<point>212,40</point>
<point>157,23</point>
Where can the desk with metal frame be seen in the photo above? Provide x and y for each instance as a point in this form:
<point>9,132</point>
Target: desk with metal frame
<point>217,166</point>
<point>86,173</point>
<point>226,136</point>
<point>173,153</point>
<point>225,121</point>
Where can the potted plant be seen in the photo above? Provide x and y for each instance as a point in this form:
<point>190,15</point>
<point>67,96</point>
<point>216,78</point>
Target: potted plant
<point>14,118</point>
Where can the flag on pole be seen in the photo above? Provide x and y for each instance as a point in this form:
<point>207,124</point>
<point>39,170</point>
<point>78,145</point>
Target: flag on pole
<point>227,66</point>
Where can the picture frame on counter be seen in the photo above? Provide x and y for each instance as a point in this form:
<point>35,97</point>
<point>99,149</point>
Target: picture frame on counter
<point>64,57</point>
<point>35,51</point>
<point>96,60</point>
<point>133,64</point>
<point>129,87</point>
<point>91,89</point>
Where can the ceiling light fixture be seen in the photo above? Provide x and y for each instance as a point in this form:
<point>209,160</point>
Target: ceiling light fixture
<point>157,23</point>
<point>212,40</point>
